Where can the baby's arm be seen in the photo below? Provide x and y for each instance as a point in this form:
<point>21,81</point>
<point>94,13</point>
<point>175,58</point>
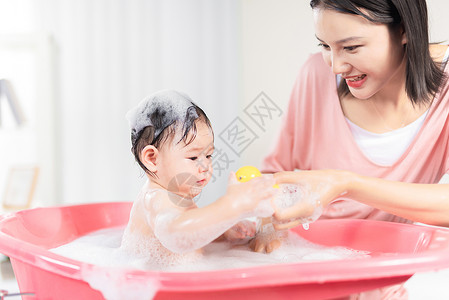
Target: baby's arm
<point>185,231</point>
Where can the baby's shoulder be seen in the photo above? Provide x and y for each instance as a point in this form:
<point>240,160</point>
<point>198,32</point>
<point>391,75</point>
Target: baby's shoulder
<point>155,199</point>
<point>160,199</point>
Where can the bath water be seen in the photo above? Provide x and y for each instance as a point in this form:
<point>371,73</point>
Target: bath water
<point>103,248</point>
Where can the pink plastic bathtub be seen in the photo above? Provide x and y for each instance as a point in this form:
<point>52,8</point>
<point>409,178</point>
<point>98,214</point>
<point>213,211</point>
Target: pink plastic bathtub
<point>399,250</point>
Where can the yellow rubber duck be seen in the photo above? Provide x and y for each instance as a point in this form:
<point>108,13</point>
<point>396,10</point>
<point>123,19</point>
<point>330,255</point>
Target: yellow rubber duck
<point>247,173</point>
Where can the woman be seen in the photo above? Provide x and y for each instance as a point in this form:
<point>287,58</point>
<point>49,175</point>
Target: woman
<point>369,116</point>
<point>368,119</point>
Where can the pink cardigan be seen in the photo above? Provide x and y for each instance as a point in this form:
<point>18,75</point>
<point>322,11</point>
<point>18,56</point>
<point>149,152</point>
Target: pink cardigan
<point>315,135</point>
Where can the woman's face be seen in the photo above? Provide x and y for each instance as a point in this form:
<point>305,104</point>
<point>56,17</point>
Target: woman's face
<point>369,56</point>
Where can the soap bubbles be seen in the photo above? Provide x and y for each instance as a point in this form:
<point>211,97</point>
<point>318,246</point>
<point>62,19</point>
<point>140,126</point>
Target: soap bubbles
<point>170,104</point>
<point>299,196</point>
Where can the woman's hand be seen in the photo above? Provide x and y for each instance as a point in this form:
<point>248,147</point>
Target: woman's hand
<point>318,189</point>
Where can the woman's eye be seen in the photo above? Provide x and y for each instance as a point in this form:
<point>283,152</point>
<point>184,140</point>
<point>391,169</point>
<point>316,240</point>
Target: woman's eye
<point>193,158</point>
<point>351,48</point>
<point>324,46</point>
<point>209,156</point>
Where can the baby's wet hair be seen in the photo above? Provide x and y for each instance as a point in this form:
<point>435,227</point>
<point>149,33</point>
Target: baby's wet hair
<point>159,118</point>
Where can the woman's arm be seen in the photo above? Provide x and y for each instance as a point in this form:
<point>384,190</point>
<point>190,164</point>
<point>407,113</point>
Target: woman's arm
<point>426,203</point>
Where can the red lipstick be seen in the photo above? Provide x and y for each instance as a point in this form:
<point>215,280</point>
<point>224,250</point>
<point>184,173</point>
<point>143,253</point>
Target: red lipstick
<point>357,83</point>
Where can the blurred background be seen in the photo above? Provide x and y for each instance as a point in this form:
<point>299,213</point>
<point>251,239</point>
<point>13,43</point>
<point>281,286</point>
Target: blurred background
<point>70,70</point>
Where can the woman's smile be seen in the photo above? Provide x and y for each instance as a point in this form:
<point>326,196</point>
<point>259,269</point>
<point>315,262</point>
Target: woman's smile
<point>356,81</point>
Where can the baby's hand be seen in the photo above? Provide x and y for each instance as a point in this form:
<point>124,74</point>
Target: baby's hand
<point>252,198</point>
<point>241,231</point>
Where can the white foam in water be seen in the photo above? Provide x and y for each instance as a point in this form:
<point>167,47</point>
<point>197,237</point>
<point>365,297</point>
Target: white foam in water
<point>102,250</point>
<point>185,242</point>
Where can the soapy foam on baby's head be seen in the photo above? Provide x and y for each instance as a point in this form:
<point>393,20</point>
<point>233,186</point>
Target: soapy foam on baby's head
<point>167,115</point>
<point>169,105</point>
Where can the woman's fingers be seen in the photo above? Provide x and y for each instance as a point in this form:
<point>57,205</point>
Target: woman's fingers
<point>284,226</point>
<point>299,210</point>
<point>287,177</point>
<point>263,181</point>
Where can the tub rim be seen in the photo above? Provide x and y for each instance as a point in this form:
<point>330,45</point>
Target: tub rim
<point>432,258</point>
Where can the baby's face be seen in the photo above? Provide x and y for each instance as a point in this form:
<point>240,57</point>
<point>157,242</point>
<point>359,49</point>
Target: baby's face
<point>186,169</point>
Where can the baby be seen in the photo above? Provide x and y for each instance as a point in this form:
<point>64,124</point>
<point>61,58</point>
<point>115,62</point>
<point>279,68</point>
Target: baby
<point>173,142</point>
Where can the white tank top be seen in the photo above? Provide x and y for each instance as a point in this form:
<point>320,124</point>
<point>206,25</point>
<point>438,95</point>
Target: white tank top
<point>386,148</point>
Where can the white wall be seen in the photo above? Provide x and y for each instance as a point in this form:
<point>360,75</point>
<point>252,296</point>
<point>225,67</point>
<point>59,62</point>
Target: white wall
<point>108,56</point>
<point>111,54</point>
<point>26,63</point>
<point>438,20</point>
<point>277,37</point>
